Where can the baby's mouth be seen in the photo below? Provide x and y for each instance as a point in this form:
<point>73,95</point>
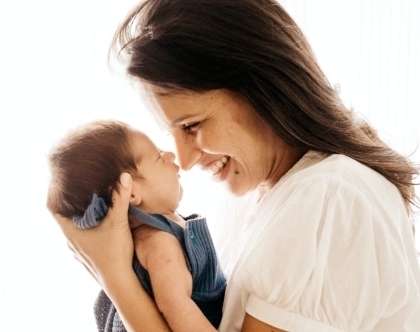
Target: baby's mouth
<point>218,165</point>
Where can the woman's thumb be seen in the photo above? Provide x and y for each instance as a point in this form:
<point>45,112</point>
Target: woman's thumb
<point>121,199</point>
<point>125,181</point>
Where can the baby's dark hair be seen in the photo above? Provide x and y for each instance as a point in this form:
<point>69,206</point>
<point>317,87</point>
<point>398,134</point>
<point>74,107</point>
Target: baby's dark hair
<point>90,159</point>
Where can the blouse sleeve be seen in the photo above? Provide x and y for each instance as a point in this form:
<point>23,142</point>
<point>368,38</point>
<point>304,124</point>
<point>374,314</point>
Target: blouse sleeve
<point>327,260</point>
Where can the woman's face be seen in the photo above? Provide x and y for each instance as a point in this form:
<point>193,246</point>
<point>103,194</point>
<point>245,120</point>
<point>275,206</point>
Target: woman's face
<point>221,133</point>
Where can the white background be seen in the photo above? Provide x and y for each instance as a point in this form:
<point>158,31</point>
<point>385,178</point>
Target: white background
<point>54,76</point>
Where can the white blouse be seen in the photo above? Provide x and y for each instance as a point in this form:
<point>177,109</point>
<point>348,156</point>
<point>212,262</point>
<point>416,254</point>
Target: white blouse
<point>329,248</point>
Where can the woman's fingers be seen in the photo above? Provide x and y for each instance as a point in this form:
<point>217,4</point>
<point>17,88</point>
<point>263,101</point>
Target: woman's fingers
<point>118,214</point>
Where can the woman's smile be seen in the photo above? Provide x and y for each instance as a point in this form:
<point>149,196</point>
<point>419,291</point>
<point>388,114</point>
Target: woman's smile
<point>220,132</point>
<point>215,168</point>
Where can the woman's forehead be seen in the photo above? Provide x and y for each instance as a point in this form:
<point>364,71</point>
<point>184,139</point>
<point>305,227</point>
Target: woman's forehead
<point>176,107</point>
<point>164,90</point>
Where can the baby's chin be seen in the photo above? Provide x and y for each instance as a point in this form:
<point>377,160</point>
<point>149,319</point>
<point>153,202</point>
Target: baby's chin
<point>181,192</point>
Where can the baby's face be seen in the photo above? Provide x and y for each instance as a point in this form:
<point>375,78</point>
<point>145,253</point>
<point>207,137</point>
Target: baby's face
<point>158,186</point>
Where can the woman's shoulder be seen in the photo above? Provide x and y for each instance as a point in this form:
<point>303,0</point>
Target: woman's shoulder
<point>319,176</point>
<point>314,163</point>
<point>335,169</point>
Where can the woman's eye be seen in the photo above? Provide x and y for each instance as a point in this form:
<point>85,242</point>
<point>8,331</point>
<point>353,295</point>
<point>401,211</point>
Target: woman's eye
<point>190,128</point>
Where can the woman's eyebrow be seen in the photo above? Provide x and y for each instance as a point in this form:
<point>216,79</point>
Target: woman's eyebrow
<point>181,119</point>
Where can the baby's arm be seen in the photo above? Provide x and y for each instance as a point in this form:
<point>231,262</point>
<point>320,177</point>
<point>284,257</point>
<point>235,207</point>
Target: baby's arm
<point>161,255</point>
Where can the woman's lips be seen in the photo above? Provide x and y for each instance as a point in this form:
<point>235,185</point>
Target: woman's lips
<point>217,166</point>
<point>221,172</point>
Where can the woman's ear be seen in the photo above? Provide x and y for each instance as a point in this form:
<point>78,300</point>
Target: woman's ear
<point>136,194</point>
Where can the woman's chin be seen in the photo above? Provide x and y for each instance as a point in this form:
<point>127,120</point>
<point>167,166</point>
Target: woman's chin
<point>236,189</point>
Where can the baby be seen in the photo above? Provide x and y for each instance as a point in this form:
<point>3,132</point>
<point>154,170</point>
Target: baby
<point>85,167</point>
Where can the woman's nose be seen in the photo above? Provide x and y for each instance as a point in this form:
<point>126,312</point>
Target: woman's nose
<point>187,152</point>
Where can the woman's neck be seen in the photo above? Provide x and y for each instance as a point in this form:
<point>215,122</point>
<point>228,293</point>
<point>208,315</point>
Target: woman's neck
<point>286,161</point>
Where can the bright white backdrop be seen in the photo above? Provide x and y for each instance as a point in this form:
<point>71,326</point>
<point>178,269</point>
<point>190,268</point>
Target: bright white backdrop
<point>54,76</point>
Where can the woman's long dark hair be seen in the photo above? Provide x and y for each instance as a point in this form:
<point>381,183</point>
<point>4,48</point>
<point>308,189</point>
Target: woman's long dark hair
<point>253,47</point>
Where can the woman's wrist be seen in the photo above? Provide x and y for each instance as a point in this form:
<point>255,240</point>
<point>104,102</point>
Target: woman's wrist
<point>135,307</point>
<point>114,278</point>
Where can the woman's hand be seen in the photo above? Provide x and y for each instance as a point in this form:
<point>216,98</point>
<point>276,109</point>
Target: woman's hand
<point>105,250</point>
<point>251,324</point>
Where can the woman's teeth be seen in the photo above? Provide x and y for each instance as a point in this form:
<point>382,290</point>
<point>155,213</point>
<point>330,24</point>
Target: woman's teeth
<point>219,165</point>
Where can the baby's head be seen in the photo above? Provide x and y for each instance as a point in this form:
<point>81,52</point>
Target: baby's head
<point>91,158</point>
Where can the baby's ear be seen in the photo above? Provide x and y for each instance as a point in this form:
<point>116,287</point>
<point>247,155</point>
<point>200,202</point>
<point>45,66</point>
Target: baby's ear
<point>136,194</point>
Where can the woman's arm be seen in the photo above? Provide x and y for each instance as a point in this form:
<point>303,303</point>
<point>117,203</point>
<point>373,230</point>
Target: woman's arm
<point>136,309</point>
<point>251,324</point>
<point>161,255</point>
<point>107,252</point>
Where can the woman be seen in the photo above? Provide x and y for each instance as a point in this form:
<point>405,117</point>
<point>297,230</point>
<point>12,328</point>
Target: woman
<point>327,244</point>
